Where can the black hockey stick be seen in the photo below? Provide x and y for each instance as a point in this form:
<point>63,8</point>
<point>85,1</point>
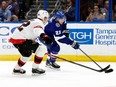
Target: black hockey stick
<point>103,69</point>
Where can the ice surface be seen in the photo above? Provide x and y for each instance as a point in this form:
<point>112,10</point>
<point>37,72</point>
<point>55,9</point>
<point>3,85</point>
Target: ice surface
<point>70,75</point>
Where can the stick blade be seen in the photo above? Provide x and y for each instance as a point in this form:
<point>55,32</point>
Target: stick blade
<point>109,71</point>
<point>104,69</point>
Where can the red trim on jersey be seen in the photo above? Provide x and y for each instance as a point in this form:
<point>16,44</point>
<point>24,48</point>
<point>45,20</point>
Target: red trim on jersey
<point>17,41</point>
<point>38,26</point>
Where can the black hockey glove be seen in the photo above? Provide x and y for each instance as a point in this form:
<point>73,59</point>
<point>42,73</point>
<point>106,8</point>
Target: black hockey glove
<point>46,39</point>
<point>75,45</point>
<point>66,32</point>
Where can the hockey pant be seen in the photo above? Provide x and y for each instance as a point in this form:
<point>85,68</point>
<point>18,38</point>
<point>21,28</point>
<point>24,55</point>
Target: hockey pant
<point>27,48</point>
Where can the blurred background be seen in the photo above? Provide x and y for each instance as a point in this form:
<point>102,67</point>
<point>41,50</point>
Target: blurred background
<point>75,10</point>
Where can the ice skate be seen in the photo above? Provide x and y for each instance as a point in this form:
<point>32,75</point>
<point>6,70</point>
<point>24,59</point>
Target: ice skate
<point>19,71</point>
<point>37,71</point>
<point>52,65</point>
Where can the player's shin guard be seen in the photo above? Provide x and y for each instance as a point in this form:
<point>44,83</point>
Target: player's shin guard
<point>37,59</point>
<point>21,62</point>
<point>35,66</point>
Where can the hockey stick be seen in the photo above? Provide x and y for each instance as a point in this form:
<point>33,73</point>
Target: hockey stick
<point>101,70</point>
<point>104,69</point>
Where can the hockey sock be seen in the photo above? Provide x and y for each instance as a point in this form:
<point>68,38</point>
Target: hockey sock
<point>52,59</point>
<point>21,62</point>
<point>37,61</point>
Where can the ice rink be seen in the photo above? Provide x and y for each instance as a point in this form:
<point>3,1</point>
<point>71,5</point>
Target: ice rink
<point>69,75</point>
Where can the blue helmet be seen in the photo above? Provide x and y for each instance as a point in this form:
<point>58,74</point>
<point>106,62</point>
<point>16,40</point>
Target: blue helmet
<point>60,15</point>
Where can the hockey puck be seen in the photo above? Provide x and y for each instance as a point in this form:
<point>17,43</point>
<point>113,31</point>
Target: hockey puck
<point>109,70</point>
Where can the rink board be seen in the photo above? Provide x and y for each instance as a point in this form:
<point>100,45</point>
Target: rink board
<point>68,57</point>
<point>98,40</point>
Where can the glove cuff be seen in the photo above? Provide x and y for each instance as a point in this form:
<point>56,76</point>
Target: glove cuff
<point>73,44</point>
<point>43,36</point>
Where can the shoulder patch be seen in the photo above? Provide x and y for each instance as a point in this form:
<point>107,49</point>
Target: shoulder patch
<point>57,25</point>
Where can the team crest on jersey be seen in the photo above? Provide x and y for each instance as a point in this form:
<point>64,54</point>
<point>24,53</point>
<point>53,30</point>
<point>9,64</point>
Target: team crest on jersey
<point>57,25</point>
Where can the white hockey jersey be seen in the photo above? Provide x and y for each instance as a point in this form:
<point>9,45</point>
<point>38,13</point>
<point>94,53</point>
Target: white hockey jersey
<point>30,30</point>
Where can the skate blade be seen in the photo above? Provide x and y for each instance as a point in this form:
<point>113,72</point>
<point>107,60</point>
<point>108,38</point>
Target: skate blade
<point>18,73</point>
<point>36,74</point>
<point>50,67</point>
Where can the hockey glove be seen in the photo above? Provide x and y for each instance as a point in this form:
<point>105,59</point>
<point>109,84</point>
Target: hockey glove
<point>46,39</point>
<point>75,45</point>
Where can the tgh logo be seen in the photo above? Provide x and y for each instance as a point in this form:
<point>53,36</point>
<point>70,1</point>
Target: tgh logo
<point>82,36</point>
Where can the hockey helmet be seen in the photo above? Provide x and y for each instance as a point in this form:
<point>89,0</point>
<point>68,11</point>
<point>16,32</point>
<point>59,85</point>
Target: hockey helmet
<point>60,15</point>
<point>42,14</point>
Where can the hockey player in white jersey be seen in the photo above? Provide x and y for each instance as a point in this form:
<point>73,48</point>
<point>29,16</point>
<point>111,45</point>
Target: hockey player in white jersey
<point>24,40</point>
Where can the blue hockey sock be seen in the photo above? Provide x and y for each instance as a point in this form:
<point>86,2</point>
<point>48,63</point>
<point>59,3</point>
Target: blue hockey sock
<point>52,59</point>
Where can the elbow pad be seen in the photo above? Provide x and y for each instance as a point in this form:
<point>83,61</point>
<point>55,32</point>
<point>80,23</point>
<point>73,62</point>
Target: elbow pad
<point>46,39</point>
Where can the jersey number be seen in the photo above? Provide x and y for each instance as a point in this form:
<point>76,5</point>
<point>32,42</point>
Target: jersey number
<point>58,32</point>
<point>24,25</point>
